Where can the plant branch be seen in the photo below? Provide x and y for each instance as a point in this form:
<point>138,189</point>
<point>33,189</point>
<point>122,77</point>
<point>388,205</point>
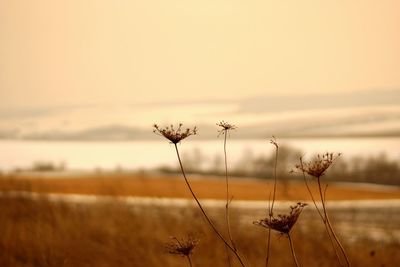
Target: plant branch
<point>292,250</point>
<point>190,262</point>
<point>329,227</point>
<point>204,213</point>
<point>309,190</point>
<point>227,193</point>
<point>271,207</point>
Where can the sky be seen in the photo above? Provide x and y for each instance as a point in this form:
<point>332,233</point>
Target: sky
<point>140,56</point>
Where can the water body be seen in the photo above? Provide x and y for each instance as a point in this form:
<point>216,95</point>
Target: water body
<point>149,154</point>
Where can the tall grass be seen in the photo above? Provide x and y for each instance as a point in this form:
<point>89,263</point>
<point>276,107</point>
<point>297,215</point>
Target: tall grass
<point>37,233</point>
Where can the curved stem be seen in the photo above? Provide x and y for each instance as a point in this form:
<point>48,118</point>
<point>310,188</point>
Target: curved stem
<point>204,213</point>
<point>323,217</point>
<point>334,233</point>
<point>329,225</point>
<point>309,190</point>
<point>338,242</point>
<point>292,249</point>
<point>332,243</point>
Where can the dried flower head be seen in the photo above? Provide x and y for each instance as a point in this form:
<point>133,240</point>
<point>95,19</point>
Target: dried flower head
<point>283,223</point>
<point>172,134</point>
<point>225,127</point>
<point>273,141</point>
<point>182,247</point>
<point>319,165</point>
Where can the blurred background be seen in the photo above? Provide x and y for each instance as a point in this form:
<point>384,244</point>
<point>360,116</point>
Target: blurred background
<point>79,79</point>
<point>82,83</point>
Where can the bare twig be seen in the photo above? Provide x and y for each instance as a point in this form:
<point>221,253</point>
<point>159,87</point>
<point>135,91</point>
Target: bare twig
<point>317,169</point>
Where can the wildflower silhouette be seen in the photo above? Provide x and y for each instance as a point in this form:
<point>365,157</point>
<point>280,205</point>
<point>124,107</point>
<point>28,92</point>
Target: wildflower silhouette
<point>175,136</point>
<point>172,134</point>
<point>283,223</point>
<point>225,128</point>
<point>317,168</point>
<point>182,247</point>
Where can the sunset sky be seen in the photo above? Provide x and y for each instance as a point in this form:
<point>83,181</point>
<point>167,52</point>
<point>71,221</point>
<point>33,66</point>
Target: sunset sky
<point>122,54</point>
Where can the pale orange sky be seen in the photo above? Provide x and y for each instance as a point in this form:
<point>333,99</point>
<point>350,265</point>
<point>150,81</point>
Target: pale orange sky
<point>73,52</point>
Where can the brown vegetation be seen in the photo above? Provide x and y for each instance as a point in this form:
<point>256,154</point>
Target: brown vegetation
<point>153,185</point>
<point>43,233</point>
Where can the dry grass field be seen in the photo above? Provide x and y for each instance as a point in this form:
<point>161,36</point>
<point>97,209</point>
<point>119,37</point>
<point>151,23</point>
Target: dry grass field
<point>154,185</point>
<point>44,233</point>
<point>35,233</point>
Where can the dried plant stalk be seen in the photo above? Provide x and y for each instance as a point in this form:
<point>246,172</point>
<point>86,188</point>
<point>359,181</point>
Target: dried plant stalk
<point>182,247</point>
<point>317,168</point>
<point>226,127</point>
<point>175,136</point>
<point>271,207</point>
<point>283,224</point>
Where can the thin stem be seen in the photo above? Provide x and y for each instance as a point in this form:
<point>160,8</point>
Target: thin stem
<point>228,257</point>
<point>292,249</point>
<point>269,234</point>
<point>319,212</point>
<point>227,193</point>
<point>268,247</point>
<point>275,176</point>
<point>332,243</point>
<point>338,242</point>
<point>309,190</point>
<point>325,218</point>
<point>329,225</point>
<point>190,261</point>
<point>271,208</point>
<point>204,213</point>
<point>228,225</point>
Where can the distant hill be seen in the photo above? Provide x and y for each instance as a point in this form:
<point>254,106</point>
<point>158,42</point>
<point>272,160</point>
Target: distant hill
<point>125,133</point>
<point>358,114</point>
<point>107,133</point>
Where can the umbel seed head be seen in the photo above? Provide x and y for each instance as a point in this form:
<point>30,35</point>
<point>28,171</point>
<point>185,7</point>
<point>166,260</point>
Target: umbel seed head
<point>175,135</point>
<point>182,247</point>
<point>282,223</point>
<point>319,165</point>
<point>225,127</point>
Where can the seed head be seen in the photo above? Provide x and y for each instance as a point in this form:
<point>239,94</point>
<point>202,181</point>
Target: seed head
<point>282,223</point>
<point>274,142</point>
<point>225,127</point>
<point>183,247</point>
<point>172,134</point>
<point>319,165</point>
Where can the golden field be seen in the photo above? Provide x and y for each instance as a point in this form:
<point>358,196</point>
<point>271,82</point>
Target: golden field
<point>43,232</point>
<point>156,185</point>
